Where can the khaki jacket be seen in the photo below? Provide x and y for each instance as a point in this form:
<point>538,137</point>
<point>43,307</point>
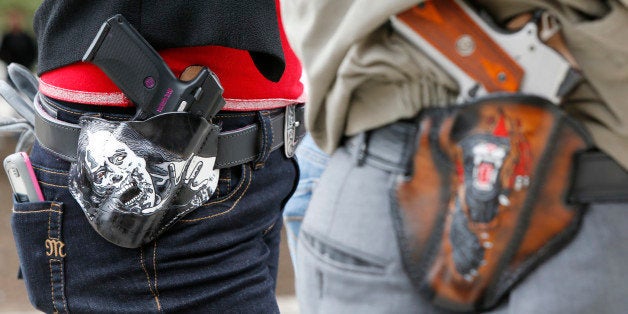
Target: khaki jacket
<point>362,75</point>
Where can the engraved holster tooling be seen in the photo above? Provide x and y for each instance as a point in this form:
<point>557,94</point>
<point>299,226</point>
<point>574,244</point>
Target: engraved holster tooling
<point>486,198</point>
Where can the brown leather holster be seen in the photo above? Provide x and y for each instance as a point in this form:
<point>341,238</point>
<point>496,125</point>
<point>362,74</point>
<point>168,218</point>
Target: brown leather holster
<point>485,202</point>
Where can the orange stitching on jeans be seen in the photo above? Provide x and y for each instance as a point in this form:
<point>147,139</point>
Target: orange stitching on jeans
<point>36,211</point>
<point>228,183</point>
<point>58,207</point>
<point>249,175</point>
<point>231,194</point>
<point>50,171</point>
<point>49,219</point>
<point>228,210</point>
<point>267,230</point>
<point>55,185</point>
<point>52,287</point>
<point>65,302</point>
<point>150,286</point>
<point>155,270</point>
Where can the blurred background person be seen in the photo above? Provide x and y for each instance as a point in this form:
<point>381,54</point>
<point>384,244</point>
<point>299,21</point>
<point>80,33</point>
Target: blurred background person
<point>17,44</point>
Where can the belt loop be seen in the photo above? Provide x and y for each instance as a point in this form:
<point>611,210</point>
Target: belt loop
<point>265,139</point>
<point>55,250</point>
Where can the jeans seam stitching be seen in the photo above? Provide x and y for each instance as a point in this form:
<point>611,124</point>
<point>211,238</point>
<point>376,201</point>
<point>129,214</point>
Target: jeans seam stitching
<point>269,228</point>
<point>235,191</point>
<point>235,203</point>
<point>155,271</point>
<point>49,220</point>
<point>228,180</point>
<point>52,287</point>
<point>59,211</point>
<point>65,302</point>
<point>55,208</point>
<point>50,171</point>
<point>230,195</point>
<point>53,185</point>
<point>35,211</point>
<point>150,286</point>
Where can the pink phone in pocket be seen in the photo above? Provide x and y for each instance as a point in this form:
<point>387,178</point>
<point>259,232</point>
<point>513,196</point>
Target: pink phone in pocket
<point>22,178</point>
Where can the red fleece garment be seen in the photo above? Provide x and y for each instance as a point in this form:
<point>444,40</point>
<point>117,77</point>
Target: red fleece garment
<point>245,87</point>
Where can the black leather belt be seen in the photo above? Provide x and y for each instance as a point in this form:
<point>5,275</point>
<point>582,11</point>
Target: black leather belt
<point>234,147</point>
<point>598,178</point>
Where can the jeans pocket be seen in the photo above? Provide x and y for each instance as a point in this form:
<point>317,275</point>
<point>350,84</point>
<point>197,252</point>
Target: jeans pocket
<point>232,185</point>
<point>228,181</point>
<point>37,230</point>
<point>341,258</point>
<point>331,277</point>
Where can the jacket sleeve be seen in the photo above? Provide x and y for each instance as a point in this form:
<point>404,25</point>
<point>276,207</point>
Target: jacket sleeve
<point>322,32</point>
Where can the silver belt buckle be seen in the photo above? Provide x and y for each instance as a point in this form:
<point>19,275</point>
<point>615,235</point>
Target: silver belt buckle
<point>290,140</point>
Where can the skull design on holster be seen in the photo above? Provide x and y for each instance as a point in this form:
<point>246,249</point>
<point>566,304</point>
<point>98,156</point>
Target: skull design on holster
<point>134,179</point>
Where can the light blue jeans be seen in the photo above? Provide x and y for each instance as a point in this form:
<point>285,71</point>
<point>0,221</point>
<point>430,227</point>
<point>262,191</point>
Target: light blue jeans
<point>311,162</point>
<point>349,259</point>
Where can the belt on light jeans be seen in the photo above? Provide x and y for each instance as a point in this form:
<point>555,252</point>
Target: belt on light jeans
<point>597,178</point>
<point>235,147</point>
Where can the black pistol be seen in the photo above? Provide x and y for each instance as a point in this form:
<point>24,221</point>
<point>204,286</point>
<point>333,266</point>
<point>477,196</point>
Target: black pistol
<point>138,70</point>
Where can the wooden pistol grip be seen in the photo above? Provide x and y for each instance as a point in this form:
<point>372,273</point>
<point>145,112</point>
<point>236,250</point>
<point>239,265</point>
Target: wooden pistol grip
<point>448,28</point>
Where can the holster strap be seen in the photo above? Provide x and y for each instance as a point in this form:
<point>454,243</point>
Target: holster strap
<point>235,147</point>
<point>598,178</point>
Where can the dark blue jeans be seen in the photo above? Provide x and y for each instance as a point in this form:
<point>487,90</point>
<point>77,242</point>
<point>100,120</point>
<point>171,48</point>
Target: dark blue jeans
<point>221,258</point>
